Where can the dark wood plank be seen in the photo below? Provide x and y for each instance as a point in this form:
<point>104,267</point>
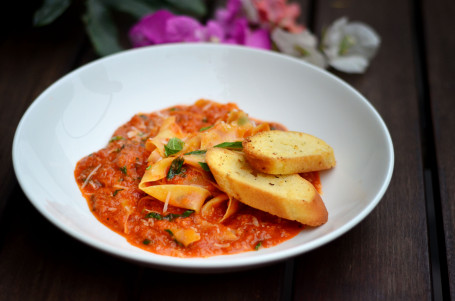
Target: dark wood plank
<point>255,284</point>
<point>38,261</point>
<point>385,257</point>
<point>30,61</point>
<point>440,46</point>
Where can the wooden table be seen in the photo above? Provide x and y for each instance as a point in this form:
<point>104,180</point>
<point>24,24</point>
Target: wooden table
<point>404,250</point>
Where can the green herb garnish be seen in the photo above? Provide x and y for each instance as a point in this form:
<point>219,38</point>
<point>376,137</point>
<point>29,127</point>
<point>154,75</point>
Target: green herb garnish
<point>205,128</point>
<point>258,245</point>
<point>168,217</point>
<point>148,167</point>
<point>146,241</point>
<point>116,138</point>
<point>154,215</point>
<point>117,191</point>
<point>123,170</point>
<point>170,232</point>
<point>176,168</point>
<point>173,146</point>
<point>187,213</point>
<point>235,145</point>
<point>204,166</point>
<point>197,152</point>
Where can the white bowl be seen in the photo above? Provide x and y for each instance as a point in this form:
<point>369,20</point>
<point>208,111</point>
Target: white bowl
<point>78,114</point>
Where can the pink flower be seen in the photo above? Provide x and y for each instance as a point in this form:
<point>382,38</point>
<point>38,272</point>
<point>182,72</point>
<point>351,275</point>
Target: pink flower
<point>237,29</point>
<point>276,13</point>
<point>151,29</point>
<point>229,26</point>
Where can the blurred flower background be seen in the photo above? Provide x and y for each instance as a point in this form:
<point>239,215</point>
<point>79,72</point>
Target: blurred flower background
<point>266,24</point>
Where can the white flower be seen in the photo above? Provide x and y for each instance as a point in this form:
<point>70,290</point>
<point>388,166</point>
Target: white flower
<point>349,47</point>
<point>302,45</point>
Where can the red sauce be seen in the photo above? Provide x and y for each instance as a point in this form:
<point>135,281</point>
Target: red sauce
<point>109,180</point>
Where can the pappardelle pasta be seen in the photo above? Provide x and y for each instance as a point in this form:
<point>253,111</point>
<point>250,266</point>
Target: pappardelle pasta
<point>153,185</point>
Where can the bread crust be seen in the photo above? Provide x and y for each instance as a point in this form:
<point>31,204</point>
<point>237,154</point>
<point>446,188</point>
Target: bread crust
<point>287,196</point>
<point>287,152</point>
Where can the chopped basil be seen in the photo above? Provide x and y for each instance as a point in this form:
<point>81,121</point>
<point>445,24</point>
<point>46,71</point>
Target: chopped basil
<point>148,167</point>
<point>197,152</point>
<point>187,213</point>
<point>235,145</point>
<point>116,138</point>
<point>204,166</point>
<point>117,191</point>
<point>168,217</point>
<point>176,168</point>
<point>169,231</point>
<point>146,241</point>
<point>258,245</point>
<point>118,150</point>
<point>173,146</point>
<point>205,128</point>
<point>123,170</point>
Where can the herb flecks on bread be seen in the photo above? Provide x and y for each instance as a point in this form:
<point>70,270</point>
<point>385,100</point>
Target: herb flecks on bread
<point>287,152</point>
<point>287,196</point>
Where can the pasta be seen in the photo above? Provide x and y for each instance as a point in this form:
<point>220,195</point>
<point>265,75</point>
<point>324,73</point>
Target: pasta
<point>152,185</point>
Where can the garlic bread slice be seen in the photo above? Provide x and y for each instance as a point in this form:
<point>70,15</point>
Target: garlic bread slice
<point>287,152</point>
<point>287,196</point>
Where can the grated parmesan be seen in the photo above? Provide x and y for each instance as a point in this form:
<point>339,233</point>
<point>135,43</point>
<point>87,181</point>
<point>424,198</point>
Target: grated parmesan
<point>166,202</point>
<point>91,175</point>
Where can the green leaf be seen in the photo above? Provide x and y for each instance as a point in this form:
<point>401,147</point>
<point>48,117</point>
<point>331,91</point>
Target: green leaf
<point>197,152</point>
<point>173,146</point>
<point>196,8</point>
<point>116,191</point>
<point>154,215</point>
<point>135,8</point>
<point>187,213</point>
<point>235,145</point>
<point>123,170</point>
<point>258,245</point>
<point>146,241</point>
<point>115,138</point>
<point>205,128</point>
<point>170,216</point>
<point>100,28</point>
<point>176,168</point>
<point>49,11</point>
<point>204,166</point>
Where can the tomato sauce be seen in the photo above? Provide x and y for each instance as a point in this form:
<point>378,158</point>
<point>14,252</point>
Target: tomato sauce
<point>109,180</point>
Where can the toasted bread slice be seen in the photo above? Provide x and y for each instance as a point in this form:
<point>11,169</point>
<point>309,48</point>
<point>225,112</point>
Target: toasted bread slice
<point>283,152</point>
<point>287,196</point>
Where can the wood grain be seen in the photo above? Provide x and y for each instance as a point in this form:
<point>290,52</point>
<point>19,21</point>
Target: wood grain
<point>440,46</point>
<point>384,257</point>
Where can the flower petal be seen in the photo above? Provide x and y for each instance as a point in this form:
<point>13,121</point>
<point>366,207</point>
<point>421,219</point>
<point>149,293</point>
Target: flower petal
<point>151,29</point>
<point>302,45</point>
<point>350,46</point>
<point>259,39</point>
<point>368,39</point>
<point>184,29</point>
<point>214,32</point>
<point>350,64</point>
